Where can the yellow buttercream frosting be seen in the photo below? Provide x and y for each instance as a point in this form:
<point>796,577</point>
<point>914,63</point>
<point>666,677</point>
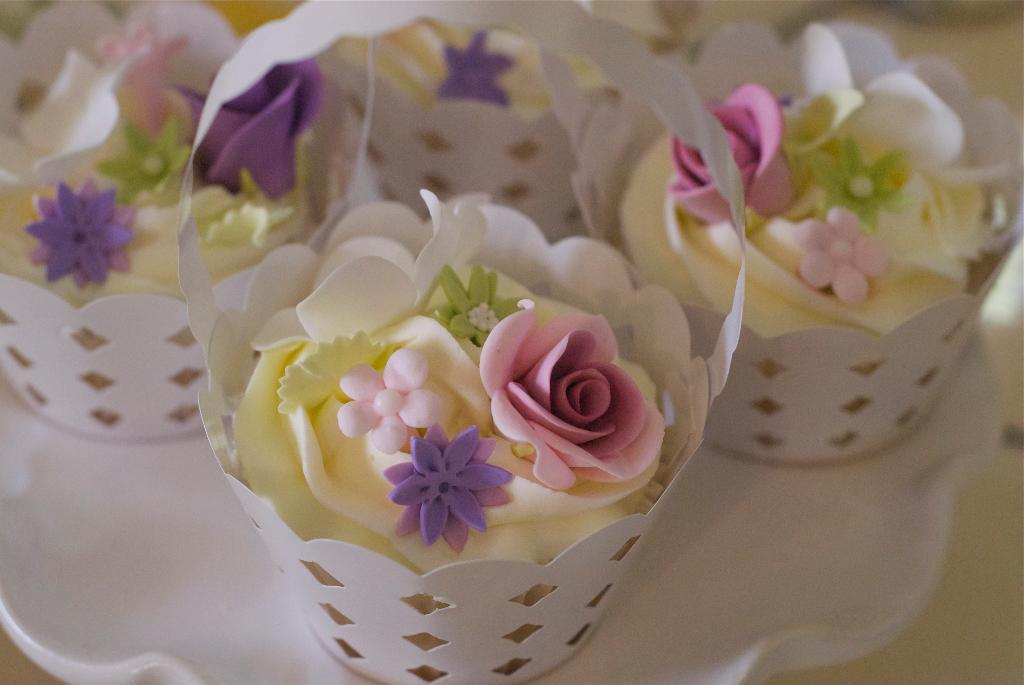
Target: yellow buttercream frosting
<point>699,263</point>
<point>327,485</point>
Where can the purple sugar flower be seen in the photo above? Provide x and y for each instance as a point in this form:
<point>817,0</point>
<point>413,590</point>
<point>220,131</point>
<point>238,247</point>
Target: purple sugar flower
<point>445,485</point>
<point>257,131</point>
<point>82,233</point>
<point>473,73</point>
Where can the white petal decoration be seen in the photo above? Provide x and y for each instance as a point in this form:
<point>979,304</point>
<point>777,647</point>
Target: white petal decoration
<point>280,329</point>
<point>459,229</point>
<point>363,295</point>
<point>900,111</point>
<point>367,246</point>
<point>513,241</point>
<point>383,219</point>
<point>745,53</point>
<point>823,61</point>
<point>60,28</point>
<point>991,133</point>
<point>868,52</point>
<point>79,112</point>
<point>269,293</point>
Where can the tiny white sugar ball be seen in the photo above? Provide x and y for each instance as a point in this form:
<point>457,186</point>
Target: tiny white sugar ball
<point>861,186</point>
<point>482,317</point>
<point>406,370</point>
<point>389,436</point>
<point>388,402</point>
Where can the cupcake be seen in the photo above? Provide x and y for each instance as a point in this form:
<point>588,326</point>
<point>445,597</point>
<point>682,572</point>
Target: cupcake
<point>481,404</point>
<point>878,198</point>
<point>481,119</point>
<point>93,322</point>
<point>451,436</point>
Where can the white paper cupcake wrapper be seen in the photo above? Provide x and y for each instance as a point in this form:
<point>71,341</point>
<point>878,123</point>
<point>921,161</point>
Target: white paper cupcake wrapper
<point>501,624</point>
<point>455,147</point>
<point>120,367</point>
<point>478,622</point>
<point>831,394</point>
<point>822,394</point>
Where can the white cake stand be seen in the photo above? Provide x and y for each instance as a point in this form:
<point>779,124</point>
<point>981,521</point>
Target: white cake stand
<point>131,564</point>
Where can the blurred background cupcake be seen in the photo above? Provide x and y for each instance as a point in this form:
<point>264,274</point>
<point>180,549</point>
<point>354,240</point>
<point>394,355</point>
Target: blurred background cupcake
<point>460,111</point>
<point>881,197</point>
<point>98,117</point>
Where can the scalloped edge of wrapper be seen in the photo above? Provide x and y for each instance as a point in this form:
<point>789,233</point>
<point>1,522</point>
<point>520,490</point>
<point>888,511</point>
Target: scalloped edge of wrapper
<point>373,614</point>
<point>126,367</point>
<point>120,367</point>
<point>786,401</point>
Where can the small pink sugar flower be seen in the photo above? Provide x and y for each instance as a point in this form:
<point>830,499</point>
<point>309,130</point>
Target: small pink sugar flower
<point>389,405</point>
<point>148,76</point>
<point>837,254</point>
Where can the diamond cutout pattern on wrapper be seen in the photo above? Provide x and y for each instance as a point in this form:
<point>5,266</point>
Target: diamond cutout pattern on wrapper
<point>96,380</point>
<point>63,359</point>
<point>19,359</point>
<point>335,615</point>
<point>35,395</point>
<point>470,147</point>
<point>89,340</point>
<point>863,395</point>
<point>511,666</point>
<point>466,621</point>
<point>426,641</point>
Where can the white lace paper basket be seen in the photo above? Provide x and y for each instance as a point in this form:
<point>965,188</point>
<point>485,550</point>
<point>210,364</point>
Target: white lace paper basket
<point>478,622</point>
<point>120,367</point>
<point>475,621</point>
<point>830,394</point>
<point>459,147</point>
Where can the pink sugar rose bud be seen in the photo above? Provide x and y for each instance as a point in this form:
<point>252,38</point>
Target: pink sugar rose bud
<point>837,254</point>
<point>754,123</point>
<point>389,405</point>
<point>557,388</point>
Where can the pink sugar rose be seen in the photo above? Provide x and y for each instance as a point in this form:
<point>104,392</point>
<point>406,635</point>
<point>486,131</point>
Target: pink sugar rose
<point>556,387</point>
<point>753,122</point>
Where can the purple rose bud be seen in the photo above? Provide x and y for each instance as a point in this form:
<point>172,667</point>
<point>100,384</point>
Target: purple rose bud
<point>753,122</point>
<point>257,131</point>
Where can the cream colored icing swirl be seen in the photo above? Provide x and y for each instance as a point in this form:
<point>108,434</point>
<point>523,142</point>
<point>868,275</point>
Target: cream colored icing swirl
<point>327,485</point>
<point>698,263</point>
<point>904,146</point>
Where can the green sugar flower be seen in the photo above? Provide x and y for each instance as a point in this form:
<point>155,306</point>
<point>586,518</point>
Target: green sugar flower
<point>472,312</point>
<point>224,218</point>
<point>863,188</point>
<point>147,164</point>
